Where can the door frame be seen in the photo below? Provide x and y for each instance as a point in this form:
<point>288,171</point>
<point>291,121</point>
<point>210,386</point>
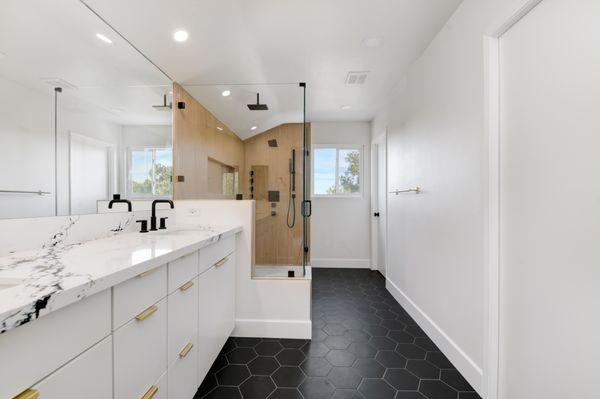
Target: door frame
<point>492,134</point>
<point>375,144</point>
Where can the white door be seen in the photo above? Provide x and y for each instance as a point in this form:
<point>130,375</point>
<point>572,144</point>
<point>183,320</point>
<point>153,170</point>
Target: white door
<point>379,203</point>
<point>91,173</point>
<point>550,203</point>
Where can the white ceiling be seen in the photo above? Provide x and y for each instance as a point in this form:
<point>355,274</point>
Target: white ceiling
<point>272,41</point>
<point>48,40</point>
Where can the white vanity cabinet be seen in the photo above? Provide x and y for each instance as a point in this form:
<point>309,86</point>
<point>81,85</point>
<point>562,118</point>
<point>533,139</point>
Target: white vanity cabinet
<point>154,336</point>
<point>87,376</point>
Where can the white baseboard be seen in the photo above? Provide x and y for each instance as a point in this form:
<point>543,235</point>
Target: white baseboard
<point>341,263</point>
<point>252,328</point>
<point>463,363</point>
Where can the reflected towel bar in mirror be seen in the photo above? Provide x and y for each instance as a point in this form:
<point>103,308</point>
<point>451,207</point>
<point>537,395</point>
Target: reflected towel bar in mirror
<point>39,192</point>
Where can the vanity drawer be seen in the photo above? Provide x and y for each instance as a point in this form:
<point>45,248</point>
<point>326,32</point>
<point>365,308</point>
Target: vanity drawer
<point>183,373</point>
<point>158,390</point>
<point>182,270</point>
<point>87,376</point>
<point>134,295</point>
<point>42,346</point>
<point>215,252</point>
<point>140,352</point>
<point>183,318</point>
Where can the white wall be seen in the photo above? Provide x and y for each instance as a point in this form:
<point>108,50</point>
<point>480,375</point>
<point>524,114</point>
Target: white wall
<point>340,227</point>
<point>436,141</point>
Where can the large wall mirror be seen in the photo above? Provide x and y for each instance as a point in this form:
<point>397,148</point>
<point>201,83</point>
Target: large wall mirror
<point>83,115</point>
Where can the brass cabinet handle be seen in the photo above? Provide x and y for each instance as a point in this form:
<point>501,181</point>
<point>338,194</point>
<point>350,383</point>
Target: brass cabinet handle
<point>148,272</point>
<point>28,394</point>
<point>186,286</point>
<point>147,313</point>
<point>186,349</point>
<point>222,261</point>
<point>150,392</point>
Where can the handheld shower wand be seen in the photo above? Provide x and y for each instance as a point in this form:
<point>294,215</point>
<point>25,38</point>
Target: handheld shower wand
<point>291,213</point>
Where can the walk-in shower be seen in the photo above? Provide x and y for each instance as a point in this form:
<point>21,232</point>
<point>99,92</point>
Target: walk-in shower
<point>272,168</point>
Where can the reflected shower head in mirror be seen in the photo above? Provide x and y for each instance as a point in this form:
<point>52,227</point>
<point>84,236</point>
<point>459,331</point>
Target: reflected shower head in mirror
<point>258,106</point>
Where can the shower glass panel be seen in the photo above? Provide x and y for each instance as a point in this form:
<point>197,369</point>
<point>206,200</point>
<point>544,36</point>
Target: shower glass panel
<point>265,123</point>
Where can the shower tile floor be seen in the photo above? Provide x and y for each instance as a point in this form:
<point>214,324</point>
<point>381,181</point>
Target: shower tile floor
<point>364,346</point>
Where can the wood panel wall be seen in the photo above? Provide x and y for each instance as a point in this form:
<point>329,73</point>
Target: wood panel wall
<point>195,140</point>
<point>275,243</point>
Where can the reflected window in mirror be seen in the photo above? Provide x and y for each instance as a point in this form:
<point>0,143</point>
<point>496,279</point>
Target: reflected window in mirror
<point>150,173</point>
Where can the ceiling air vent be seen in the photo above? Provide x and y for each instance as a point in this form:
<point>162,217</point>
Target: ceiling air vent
<point>356,77</point>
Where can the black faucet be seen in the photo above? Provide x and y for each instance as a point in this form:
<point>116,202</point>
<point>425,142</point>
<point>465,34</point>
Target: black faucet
<point>117,199</point>
<point>153,218</point>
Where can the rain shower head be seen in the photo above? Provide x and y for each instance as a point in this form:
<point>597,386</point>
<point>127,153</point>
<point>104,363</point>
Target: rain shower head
<point>164,106</point>
<point>258,106</point>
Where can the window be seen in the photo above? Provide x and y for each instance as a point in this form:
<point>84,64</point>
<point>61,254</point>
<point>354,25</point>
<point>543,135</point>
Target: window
<point>336,171</point>
<point>150,172</point>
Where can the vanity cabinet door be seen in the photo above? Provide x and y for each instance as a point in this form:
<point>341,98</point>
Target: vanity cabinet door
<point>87,376</point>
<point>225,271</point>
<point>183,373</point>
<point>215,252</point>
<point>140,352</point>
<point>183,318</point>
<point>182,270</point>
<point>208,320</point>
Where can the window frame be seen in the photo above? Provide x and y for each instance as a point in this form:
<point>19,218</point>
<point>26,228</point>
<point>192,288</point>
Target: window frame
<point>129,180</point>
<point>338,147</point>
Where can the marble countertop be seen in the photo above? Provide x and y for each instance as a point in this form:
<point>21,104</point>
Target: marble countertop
<point>37,282</point>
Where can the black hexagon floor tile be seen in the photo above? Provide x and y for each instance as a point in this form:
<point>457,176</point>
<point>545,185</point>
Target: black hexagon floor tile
<point>290,357</point>
<point>344,377</point>
<point>288,377</point>
<point>436,389</point>
<point>286,393</point>
<point>317,388</point>
<point>376,389</point>
<point>257,387</point>
<point>364,346</point>
<point>263,365</point>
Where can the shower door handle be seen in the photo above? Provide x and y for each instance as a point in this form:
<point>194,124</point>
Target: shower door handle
<point>307,208</point>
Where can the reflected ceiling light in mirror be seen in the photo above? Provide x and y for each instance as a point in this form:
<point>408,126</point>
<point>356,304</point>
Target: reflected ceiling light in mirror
<point>373,42</point>
<point>226,93</point>
<point>254,128</point>
<point>180,36</point>
<point>104,38</point>
<point>346,107</point>
<point>219,128</point>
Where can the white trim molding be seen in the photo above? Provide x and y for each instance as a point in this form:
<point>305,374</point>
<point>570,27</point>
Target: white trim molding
<point>291,329</point>
<point>491,53</point>
<point>459,358</point>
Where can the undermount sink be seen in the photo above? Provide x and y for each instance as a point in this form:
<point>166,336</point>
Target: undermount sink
<point>9,282</point>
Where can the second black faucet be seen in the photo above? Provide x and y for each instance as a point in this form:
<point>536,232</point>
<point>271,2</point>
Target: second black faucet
<point>153,217</point>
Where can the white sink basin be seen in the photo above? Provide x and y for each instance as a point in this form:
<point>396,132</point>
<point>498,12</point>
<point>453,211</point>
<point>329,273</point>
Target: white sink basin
<point>9,282</point>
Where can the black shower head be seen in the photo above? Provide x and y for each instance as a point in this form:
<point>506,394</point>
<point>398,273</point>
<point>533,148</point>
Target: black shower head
<point>258,106</point>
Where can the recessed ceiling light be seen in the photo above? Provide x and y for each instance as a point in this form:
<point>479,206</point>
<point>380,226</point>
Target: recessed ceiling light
<point>372,42</point>
<point>253,128</point>
<point>346,107</point>
<point>219,128</point>
<point>103,38</point>
<point>226,93</point>
<point>180,36</point>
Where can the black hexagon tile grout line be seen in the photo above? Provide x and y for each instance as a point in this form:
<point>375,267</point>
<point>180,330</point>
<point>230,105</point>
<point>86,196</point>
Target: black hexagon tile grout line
<point>380,350</point>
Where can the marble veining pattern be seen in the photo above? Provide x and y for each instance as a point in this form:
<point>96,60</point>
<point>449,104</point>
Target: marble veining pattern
<point>62,272</point>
